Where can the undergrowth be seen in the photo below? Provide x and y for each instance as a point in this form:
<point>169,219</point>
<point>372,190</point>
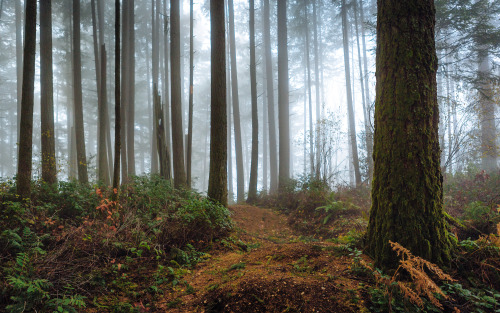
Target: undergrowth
<point>72,246</point>
<point>313,208</point>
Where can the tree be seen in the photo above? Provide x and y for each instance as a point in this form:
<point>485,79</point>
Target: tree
<point>155,25</point>
<point>252,189</point>
<point>238,146</point>
<point>130,90</point>
<point>176,105</point>
<point>283,97</point>
<point>273,154</point>
<point>407,195</point>
<point>102,157</point>
<point>19,63</point>
<point>49,172</point>
<point>27,102</point>
<point>190,120</point>
<point>116,166</point>
<point>362,78</point>
<point>77,91</point>
<point>350,109</point>
<point>217,185</point>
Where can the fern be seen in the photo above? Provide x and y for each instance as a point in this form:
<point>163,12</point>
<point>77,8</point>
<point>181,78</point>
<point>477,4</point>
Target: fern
<point>421,285</point>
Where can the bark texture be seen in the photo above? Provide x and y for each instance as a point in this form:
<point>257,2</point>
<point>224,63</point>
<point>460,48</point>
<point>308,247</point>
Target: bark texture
<point>49,172</point>
<point>252,188</point>
<point>26,128</point>
<point>116,165</point>
<point>273,147</point>
<point>283,97</point>
<point>77,90</point>
<point>176,105</point>
<point>238,146</point>
<point>407,195</point>
<point>217,184</point>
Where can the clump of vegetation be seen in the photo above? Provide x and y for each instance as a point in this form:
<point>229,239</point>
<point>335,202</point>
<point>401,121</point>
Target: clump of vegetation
<point>72,246</point>
<point>475,200</point>
<point>315,209</point>
<point>420,286</point>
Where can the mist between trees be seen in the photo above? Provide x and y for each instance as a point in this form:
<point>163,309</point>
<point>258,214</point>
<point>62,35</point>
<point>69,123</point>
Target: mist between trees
<point>300,79</point>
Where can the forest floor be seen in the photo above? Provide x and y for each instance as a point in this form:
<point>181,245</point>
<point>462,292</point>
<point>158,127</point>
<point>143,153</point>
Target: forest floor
<point>267,267</point>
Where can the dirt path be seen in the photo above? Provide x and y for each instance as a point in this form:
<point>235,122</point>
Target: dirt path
<point>265,267</point>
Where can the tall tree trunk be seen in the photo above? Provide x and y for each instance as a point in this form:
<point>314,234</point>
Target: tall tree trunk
<point>124,88</point>
<point>116,167</point>
<point>316,79</point>
<point>104,88</point>
<point>49,172</point>
<point>362,77</point>
<point>19,63</point>
<point>229,120</point>
<point>190,118</point>
<point>369,134</point>
<point>252,188</point>
<point>131,88</point>
<point>104,121</point>
<point>166,91</point>
<point>240,173</point>
<point>283,97</point>
<point>154,69</point>
<point>176,105</point>
<point>407,195</point>
<point>77,89</point>
<point>309,92</point>
<point>273,151</point>
<point>265,149</point>
<point>217,186</point>
<point>350,109</point>
<point>102,157</point>
<point>27,102</point>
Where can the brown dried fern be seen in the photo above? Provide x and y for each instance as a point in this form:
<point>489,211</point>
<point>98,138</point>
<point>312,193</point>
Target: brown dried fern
<point>421,284</point>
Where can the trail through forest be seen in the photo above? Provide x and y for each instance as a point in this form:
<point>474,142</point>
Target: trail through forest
<point>266,267</point>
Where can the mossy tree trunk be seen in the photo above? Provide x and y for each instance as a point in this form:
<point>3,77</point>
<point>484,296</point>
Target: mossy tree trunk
<point>217,184</point>
<point>407,185</point>
<point>25,151</point>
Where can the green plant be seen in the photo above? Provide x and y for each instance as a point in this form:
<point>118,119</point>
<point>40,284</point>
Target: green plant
<point>479,300</point>
<point>28,291</point>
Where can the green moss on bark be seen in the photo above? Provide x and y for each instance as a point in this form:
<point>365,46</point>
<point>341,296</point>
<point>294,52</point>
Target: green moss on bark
<point>407,185</point>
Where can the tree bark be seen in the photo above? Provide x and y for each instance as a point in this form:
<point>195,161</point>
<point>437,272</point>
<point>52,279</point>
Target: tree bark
<point>102,161</point>
<point>273,153</point>
<point>49,172</point>
<point>309,92</point>
<point>316,80</point>
<point>283,97</point>
<point>252,188</point>
<point>217,186</point>
<point>229,102</point>
<point>77,90</point>
<point>176,105</point>
<point>116,167</point>
<point>27,102</point>
<point>240,173</point>
<point>190,118</point>
<point>131,88</point>
<point>362,77</point>
<point>124,88</point>
<point>19,63</point>
<point>166,91</point>
<point>350,109</point>
<point>154,72</point>
<point>407,195</point>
